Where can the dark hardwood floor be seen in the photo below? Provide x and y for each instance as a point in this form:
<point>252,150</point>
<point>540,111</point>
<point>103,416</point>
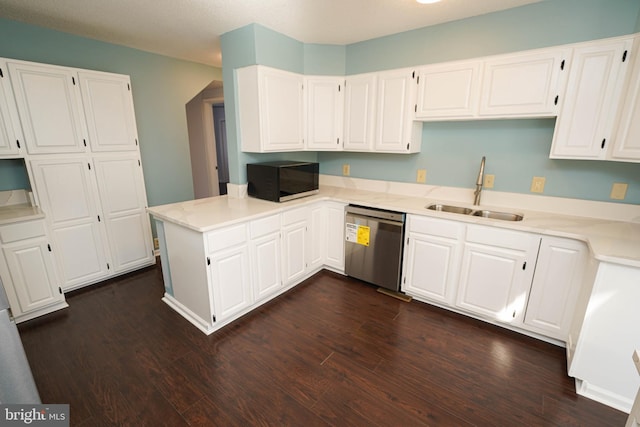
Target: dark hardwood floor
<point>331,352</point>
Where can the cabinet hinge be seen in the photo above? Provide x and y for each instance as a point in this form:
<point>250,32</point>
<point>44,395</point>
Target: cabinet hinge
<point>418,80</point>
<point>339,88</point>
<point>555,102</point>
<point>18,143</point>
<point>1,74</point>
<point>89,165</point>
<point>604,141</point>
<point>413,75</point>
<point>514,314</point>
<point>98,218</point>
<point>338,141</point>
<point>624,56</point>
<point>73,80</point>
<point>49,247</point>
<point>408,143</point>
<point>139,163</point>
<point>415,108</point>
<point>562,65</point>
<point>524,265</point>
<point>214,318</point>
<point>128,87</point>
<point>136,142</point>
<point>209,263</point>
<point>60,290</point>
<point>108,266</point>
<point>84,141</point>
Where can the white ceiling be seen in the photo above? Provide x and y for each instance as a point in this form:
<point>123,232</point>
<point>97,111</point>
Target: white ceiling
<point>191,29</point>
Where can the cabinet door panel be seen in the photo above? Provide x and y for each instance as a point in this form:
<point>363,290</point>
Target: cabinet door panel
<point>556,285</point>
<point>267,267</point>
<point>231,277</point>
<point>359,114</point>
<point>48,102</point>
<point>123,201</point>
<point>334,235</point>
<point>394,89</point>
<point>65,189</point>
<point>448,90</point>
<point>627,137</point>
<point>33,274</point>
<point>108,108</point>
<point>10,132</point>
<point>585,123</point>
<point>324,113</point>
<point>294,251</point>
<point>282,109</point>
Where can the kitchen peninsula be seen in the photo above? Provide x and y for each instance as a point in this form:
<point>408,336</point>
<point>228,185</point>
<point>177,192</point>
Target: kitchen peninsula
<point>222,257</point>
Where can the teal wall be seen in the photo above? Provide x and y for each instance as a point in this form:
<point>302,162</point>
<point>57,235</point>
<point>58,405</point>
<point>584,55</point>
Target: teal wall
<point>161,88</point>
<point>516,150</point>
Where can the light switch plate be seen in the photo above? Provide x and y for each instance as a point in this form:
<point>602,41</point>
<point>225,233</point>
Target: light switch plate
<point>488,181</point>
<point>537,184</point>
<point>618,191</point>
<point>421,176</point>
<point>346,169</point>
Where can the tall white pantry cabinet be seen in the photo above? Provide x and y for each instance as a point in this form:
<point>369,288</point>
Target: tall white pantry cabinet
<point>81,151</point>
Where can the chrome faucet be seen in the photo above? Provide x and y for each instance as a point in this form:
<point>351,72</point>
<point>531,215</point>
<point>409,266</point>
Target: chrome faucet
<point>478,192</point>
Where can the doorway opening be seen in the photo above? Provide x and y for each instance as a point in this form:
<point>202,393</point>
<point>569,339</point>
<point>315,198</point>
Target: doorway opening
<point>208,141</point>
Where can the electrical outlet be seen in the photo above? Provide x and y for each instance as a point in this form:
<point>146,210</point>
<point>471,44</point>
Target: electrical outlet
<point>488,181</point>
<point>346,169</point>
<point>156,244</point>
<point>537,184</point>
<point>618,191</point>
<point>421,176</point>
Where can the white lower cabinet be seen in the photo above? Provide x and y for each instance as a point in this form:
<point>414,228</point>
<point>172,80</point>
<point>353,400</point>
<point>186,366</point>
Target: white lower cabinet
<point>28,270</point>
<point>334,235</point>
<point>266,254</point>
<point>556,286</point>
<point>497,270</point>
<point>432,258</point>
<point>230,275</point>
<point>295,246</point>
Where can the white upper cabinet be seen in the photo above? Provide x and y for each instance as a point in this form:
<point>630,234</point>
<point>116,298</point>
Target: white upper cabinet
<point>270,109</point>
<point>10,132</point>
<point>396,131</point>
<point>48,101</point>
<point>324,101</point>
<point>359,112</point>
<point>108,108</point>
<point>526,84</point>
<point>450,90</point>
<point>626,145</point>
<point>585,123</point>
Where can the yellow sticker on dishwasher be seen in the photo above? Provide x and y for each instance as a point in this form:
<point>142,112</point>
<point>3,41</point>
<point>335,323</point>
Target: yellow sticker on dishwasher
<point>363,235</point>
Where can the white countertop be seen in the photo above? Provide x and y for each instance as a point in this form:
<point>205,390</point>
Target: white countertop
<point>20,212</point>
<point>609,240</point>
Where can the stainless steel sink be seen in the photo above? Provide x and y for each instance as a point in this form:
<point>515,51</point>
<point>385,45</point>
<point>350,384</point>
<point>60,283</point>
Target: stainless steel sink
<point>449,208</point>
<point>484,213</point>
<point>505,216</point>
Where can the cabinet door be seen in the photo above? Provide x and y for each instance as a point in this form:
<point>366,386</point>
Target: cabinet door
<point>295,249</point>
<point>266,256</point>
<point>555,288</point>
<point>231,281</point>
<point>497,269</point>
<point>585,122</point>
<point>626,146</point>
<point>448,90</point>
<point>123,201</point>
<point>108,108</point>
<point>525,84</point>
<point>324,100</point>
<point>33,274</point>
<point>433,257</point>
<point>316,236</point>
<point>359,112</point>
<point>10,133</point>
<point>49,104</point>
<point>65,188</point>
<point>395,104</point>
<point>334,235</point>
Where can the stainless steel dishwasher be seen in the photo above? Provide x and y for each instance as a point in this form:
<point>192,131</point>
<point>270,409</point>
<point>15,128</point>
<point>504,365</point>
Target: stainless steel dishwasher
<point>373,245</point>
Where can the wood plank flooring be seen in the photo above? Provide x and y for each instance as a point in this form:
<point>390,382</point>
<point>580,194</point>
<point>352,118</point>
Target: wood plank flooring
<point>331,352</point>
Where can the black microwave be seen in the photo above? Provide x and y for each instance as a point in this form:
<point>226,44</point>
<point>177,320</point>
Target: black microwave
<point>283,180</point>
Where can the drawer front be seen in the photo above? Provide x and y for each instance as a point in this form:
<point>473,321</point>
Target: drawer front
<point>295,215</point>
<point>21,231</point>
<point>227,237</point>
<point>435,227</point>
<point>264,226</point>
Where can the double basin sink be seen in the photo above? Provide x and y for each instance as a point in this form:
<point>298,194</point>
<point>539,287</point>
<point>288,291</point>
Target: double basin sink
<point>504,216</point>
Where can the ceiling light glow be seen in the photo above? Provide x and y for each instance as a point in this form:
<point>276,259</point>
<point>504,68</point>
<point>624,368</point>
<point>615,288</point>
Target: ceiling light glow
<point>427,1</point>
